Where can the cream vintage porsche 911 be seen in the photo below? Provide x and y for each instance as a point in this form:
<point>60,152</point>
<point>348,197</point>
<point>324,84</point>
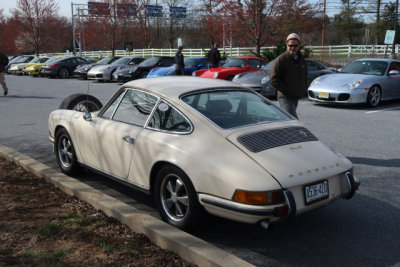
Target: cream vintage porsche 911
<point>199,144</point>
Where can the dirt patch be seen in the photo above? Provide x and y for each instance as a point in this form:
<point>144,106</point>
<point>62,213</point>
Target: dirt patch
<point>42,226</point>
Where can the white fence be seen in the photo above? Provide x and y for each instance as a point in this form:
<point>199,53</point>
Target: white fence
<point>333,50</point>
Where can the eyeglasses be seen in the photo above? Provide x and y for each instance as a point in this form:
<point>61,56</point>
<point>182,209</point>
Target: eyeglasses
<point>293,45</point>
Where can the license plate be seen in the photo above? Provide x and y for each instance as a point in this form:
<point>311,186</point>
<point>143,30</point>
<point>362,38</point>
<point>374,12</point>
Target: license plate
<point>316,192</point>
<point>323,95</point>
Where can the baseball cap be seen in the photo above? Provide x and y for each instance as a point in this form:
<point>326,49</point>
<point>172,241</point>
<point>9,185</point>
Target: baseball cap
<point>293,36</point>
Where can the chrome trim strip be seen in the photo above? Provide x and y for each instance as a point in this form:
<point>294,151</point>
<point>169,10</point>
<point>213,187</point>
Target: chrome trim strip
<point>263,212</point>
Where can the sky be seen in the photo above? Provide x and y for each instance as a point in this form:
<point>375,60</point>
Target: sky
<point>65,6</point>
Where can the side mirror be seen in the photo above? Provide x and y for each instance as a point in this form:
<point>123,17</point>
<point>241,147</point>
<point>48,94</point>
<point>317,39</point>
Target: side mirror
<point>87,116</point>
<point>394,72</point>
<point>246,67</point>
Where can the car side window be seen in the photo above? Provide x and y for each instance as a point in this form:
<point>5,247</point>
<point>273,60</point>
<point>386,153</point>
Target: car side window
<point>107,114</point>
<point>80,60</point>
<point>394,66</point>
<point>255,63</point>
<point>167,118</point>
<point>134,108</point>
<point>311,66</point>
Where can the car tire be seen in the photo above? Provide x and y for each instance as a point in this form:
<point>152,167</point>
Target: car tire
<point>63,73</point>
<point>81,102</point>
<point>230,78</point>
<point>65,153</point>
<point>374,96</point>
<point>143,74</point>
<point>176,198</point>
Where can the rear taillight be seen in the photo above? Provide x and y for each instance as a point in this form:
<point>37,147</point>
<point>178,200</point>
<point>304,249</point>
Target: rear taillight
<point>53,65</point>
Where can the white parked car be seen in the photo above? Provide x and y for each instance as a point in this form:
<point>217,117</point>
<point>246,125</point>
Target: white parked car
<point>199,144</point>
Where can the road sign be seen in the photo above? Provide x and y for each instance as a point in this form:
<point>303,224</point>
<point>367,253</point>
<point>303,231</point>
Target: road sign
<point>389,38</point>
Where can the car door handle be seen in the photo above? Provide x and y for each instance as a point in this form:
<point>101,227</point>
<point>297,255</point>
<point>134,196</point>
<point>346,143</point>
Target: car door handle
<point>128,139</point>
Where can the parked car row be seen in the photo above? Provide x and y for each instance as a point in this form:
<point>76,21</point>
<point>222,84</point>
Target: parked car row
<point>366,81</point>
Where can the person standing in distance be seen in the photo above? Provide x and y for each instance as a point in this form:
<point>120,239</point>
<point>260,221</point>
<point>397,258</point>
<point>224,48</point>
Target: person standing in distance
<point>179,62</point>
<point>289,75</point>
<point>214,57</point>
<point>3,64</point>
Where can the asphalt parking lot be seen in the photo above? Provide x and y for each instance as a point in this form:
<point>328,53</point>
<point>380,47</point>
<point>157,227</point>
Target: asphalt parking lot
<point>359,232</point>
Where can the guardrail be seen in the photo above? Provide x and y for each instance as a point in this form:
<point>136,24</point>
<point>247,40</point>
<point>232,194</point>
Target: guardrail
<point>332,50</point>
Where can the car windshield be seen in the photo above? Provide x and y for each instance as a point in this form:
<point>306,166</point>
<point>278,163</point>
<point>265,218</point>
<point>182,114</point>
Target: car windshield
<point>190,62</point>
<point>149,62</point>
<point>122,61</point>
<point>23,59</point>
<point>369,67</point>
<point>268,66</point>
<point>51,60</point>
<point>234,108</point>
<point>35,60</point>
<point>105,60</point>
<point>235,63</point>
<point>16,59</point>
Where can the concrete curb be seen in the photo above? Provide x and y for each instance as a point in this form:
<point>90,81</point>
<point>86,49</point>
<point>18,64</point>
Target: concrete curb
<point>191,248</point>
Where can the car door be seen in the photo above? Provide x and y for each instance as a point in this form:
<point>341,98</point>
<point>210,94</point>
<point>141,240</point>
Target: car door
<point>108,141</point>
<point>391,83</point>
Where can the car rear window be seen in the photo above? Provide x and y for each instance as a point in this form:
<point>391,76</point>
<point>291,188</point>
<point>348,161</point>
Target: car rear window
<point>234,108</point>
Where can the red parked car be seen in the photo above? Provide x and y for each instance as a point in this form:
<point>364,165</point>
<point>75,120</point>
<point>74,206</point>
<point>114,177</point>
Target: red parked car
<point>232,67</point>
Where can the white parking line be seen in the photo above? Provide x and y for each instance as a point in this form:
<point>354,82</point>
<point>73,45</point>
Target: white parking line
<point>368,112</point>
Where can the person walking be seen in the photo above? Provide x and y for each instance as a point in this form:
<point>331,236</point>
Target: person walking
<point>179,62</point>
<point>3,64</point>
<point>214,57</point>
<point>289,75</point>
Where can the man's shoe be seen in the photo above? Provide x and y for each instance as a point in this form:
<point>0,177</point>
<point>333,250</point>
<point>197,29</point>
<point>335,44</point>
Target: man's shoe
<point>5,92</point>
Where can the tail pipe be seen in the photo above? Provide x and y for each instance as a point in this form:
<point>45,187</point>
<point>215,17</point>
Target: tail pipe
<point>354,184</point>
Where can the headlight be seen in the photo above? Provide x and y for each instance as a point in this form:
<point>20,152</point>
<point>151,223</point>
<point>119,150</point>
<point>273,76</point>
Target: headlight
<point>354,85</point>
<point>265,80</point>
<point>237,76</point>
<point>316,81</point>
<point>216,75</point>
<point>194,73</point>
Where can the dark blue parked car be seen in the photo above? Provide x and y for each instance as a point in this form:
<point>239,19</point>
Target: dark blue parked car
<point>191,64</point>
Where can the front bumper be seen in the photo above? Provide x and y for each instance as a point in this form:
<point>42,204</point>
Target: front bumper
<point>357,96</point>
<point>48,72</point>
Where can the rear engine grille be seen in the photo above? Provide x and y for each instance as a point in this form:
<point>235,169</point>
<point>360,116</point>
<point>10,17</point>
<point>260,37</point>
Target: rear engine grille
<point>259,141</point>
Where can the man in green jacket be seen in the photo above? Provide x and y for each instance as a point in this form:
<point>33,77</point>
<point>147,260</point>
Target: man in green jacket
<point>289,75</point>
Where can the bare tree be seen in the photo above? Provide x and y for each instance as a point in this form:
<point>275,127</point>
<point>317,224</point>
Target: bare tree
<point>35,18</point>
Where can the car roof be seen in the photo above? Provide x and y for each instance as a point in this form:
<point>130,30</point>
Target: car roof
<point>378,59</point>
<point>172,87</point>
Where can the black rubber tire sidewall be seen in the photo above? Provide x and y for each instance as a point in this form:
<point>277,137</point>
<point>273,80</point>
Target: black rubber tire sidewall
<point>195,211</point>
<point>59,72</point>
<point>75,168</point>
<point>71,101</point>
<point>369,95</point>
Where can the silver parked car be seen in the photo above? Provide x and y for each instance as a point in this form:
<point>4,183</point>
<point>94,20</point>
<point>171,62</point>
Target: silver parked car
<point>105,72</point>
<point>259,80</point>
<point>367,80</point>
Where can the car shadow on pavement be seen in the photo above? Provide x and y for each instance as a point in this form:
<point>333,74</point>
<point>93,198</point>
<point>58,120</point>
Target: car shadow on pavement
<point>359,232</point>
<point>375,162</point>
